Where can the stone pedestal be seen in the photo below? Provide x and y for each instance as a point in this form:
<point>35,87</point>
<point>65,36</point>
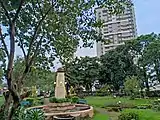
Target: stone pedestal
<point>60,90</point>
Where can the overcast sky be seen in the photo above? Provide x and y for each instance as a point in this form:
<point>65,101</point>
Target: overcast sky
<point>147,20</point>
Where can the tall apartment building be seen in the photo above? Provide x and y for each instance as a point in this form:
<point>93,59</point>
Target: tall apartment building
<point>116,28</point>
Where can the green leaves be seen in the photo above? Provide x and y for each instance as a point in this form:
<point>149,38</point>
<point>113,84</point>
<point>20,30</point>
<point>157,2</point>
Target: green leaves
<point>131,85</point>
<point>115,66</point>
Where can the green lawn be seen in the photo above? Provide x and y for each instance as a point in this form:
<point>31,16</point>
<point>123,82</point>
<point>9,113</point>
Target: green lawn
<point>99,116</point>
<point>102,101</point>
<point>145,114</point>
<point>98,102</point>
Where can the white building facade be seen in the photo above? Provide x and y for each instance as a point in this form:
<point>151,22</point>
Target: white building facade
<point>116,28</point>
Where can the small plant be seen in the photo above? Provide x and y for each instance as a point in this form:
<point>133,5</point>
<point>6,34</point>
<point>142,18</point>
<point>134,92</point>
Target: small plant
<point>156,105</point>
<point>19,114</point>
<point>32,114</point>
<point>144,106</point>
<point>128,116</point>
<point>55,100</point>
<point>74,99</point>
<point>35,114</point>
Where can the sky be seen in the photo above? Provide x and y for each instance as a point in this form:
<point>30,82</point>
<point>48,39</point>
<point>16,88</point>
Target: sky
<point>147,19</point>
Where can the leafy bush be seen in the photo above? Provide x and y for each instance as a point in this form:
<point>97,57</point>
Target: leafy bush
<point>74,99</point>
<point>32,114</point>
<point>115,109</point>
<point>132,86</point>
<point>103,91</point>
<point>3,115</point>
<point>156,105</point>
<point>19,114</point>
<point>122,105</point>
<point>129,116</point>
<point>144,106</point>
<point>35,114</point>
<point>31,100</point>
<point>35,101</point>
<point>55,100</point>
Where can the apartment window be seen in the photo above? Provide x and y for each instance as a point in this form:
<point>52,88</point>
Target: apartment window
<point>105,15</point>
<point>105,11</point>
<point>105,29</point>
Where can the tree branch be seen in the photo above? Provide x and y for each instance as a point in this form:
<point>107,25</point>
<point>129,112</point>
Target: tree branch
<point>30,61</point>
<point>40,8</point>
<point>18,11</point>
<point>5,10</point>
<point>36,50</point>
<point>36,31</point>
<point>21,45</point>
<point>4,44</point>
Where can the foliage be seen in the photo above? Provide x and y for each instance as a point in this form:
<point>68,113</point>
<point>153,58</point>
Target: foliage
<point>131,85</point>
<point>144,106</point>
<point>45,30</point>
<point>35,114</point>
<point>74,99</point>
<point>119,105</point>
<point>116,65</point>
<point>156,105</point>
<point>41,78</point>
<point>34,101</point>
<point>19,114</point>
<point>55,100</point>
<point>128,116</point>
<point>84,71</point>
<point>146,114</point>
<point>32,114</point>
<point>145,49</point>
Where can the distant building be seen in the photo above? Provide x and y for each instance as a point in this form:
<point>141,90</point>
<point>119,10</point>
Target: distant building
<point>116,28</point>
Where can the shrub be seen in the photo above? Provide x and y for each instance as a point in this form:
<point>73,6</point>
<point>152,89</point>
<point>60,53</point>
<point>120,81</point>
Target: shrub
<point>74,99</point>
<point>55,100</point>
<point>115,109</point>
<point>128,116</point>
<point>122,105</point>
<point>31,100</point>
<point>156,105</point>
<point>144,106</point>
<point>35,114</point>
<point>32,114</point>
<point>19,114</point>
<point>35,101</point>
<point>132,86</point>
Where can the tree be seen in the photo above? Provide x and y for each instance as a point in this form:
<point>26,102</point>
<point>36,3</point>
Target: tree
<point>116,65</point>
<point>145,50</point>
<point>43,30</point>
<point>36,77</point>
<point>84,70</point>
<point>132,85</point>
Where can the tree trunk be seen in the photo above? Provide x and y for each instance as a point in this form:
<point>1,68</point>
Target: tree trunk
<point>10,83</point>
<point>14,107</point>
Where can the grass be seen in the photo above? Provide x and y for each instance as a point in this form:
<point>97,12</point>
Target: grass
<point>99,102</point>
<point>102,101</point>
<point>99,116</point>
<point>146,114</point>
